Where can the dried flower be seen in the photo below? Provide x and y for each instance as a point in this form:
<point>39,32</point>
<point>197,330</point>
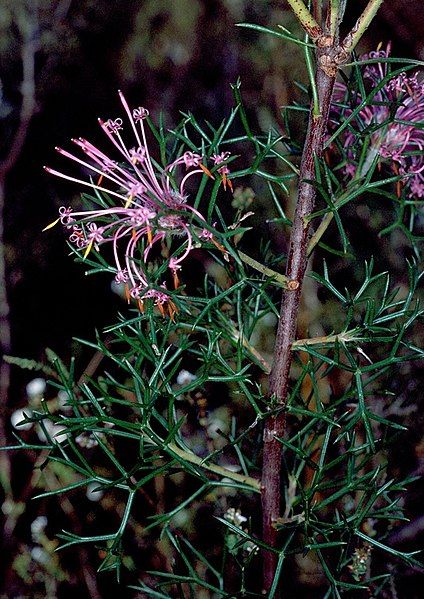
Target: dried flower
<point>235,517</point>
<point>243,197</point>
<point>89,440</point>
<point>63,400</point>
<point>393,121</point>
<point>40,555</point>
<point>150,207</point>
<point>56,433</point>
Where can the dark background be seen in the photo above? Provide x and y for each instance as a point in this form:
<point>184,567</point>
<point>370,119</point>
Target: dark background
<point>167,56</point>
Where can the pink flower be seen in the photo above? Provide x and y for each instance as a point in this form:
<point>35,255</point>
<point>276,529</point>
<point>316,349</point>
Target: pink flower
<point>393,123</point>
<point>121,276</point>
<point>65,216</point>
<point>94,234</point>
<point>220,158</point>
<point>149,207</point>
<point>191,159</point>
<point>223,170</point>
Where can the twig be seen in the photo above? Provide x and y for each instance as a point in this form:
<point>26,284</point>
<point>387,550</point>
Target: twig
<point>307,21</point>
<point>323,226</point>
<point>237,336</point>
<point>29,48</point>
<point>67,507</point>
<point>332,13</point>
<point>282,280</point>
<point>361,25</point>
<point>346,337</point>
<point>317,11</point>
<point>219,470</point>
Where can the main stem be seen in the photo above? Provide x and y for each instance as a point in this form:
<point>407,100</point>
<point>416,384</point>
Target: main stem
<point>296,267</point>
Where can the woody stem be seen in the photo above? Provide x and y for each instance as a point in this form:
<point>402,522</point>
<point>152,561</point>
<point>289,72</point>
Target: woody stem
<point>296,267</point>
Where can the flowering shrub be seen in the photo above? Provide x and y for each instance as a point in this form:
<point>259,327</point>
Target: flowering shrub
<point>192,402</point>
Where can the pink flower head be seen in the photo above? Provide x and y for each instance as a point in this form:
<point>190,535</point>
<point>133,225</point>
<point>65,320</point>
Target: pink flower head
<point>220,158</point>
<point>161,300</point>
<point>65,217</point>
<point>206,235</point>
<point>137,155</point>
<point>191,159</point>
<point>121,276</point>
<point>114,126</point>
<point>149,205</point>
<point>77,237</point>
<point>142,216</point>
<point>94,233</point>
<point>395,119</point>
<point>139,114</point>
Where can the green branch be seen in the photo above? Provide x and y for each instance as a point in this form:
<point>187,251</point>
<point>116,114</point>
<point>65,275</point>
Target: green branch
<point>306,19</point>
<point>240,338</point>
<point>346,337</point>
<point>361,25</point>
<point>323,226</point>
<point>333,16</point>
<point>188,456</point>
<point>282,280</point>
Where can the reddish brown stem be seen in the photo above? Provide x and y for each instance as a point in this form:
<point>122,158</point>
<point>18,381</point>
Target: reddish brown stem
<point>296,266</point>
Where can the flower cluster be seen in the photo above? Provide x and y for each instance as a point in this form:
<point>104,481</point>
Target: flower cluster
<point>150,207</point>
<point>394,121</point>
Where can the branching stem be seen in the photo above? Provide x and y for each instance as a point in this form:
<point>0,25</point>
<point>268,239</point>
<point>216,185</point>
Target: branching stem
<point>333,12</point>
<point>330,55</point>
<point>323,226</point>
<point>296,266</point>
